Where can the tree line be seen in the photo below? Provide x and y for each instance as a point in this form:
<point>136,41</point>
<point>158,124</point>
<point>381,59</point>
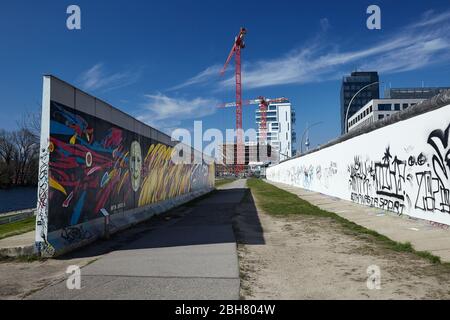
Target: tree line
<point>19,153</point>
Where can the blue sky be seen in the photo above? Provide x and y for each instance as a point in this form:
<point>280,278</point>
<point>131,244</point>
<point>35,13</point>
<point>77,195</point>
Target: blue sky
<point>159,61</point>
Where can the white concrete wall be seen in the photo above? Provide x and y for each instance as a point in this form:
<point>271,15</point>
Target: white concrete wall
<point>403,167</point>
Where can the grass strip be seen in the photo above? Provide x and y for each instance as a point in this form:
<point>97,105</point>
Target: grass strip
<point>279,202</point>
<point>18,227</point>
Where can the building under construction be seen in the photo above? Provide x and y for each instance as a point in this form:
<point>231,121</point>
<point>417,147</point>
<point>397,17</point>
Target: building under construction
<point>255,156</point>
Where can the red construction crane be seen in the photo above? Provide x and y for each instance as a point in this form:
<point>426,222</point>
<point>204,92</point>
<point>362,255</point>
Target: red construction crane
<point>236,51</point>
<point>263,107</point>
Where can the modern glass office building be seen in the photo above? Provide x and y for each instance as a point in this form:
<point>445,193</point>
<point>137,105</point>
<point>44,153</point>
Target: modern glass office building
<point>350,86</point>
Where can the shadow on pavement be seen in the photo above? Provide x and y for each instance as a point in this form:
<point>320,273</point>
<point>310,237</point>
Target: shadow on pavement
<point>205,221</point>
<point>246,224</point>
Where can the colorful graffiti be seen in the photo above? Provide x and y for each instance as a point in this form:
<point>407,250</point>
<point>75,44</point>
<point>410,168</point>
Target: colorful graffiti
<point>94,164</point>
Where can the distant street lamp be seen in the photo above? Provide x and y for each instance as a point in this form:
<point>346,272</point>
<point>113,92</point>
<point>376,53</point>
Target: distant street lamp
<point>307,143</point>
<point>348,108</point>
<point>304,132</point>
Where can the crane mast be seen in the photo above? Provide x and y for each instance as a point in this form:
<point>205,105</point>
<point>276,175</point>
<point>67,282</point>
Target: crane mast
<point>236,51</point>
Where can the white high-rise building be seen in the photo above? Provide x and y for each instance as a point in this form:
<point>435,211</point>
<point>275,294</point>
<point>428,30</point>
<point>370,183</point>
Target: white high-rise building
<point>280,128</point>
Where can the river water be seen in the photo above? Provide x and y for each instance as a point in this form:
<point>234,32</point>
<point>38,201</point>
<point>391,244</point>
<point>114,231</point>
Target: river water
<point>17,199</point>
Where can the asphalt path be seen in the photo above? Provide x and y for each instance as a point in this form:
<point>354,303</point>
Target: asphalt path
<point>193,258</point>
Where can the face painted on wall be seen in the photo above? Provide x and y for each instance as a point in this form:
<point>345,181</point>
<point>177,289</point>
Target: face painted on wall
<point>135,165</point>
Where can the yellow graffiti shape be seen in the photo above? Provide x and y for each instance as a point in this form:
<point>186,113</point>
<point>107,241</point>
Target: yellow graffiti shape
<point>73,140</point>
<point>165,179</point>
<point>56,185</point>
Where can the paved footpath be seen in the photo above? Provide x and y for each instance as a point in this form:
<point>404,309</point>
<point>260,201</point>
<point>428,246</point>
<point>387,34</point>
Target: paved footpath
<point>194,257</point>
<point>421,234</point>
<point>22,244</point>
<point>18,245</point>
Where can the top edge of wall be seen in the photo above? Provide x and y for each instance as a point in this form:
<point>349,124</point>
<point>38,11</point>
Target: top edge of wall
<point>437,102</point>
<point>165,136</point>
<point>103,101</point>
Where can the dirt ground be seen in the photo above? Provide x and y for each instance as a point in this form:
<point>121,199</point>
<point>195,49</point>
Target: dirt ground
<point>19,279</point>
<point>306,257</point>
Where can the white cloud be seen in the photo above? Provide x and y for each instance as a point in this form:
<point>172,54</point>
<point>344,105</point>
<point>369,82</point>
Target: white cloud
<point>162,111</point>
<point>96,78</point>
<point>415,46</point>
<point>202,77</point>
<point>412,57</point>
<point>429,18</point>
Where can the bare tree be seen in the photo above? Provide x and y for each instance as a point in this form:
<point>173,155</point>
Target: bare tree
<point>19,152</point>
<point>6,147</point>
<point>26,149</point>
<point>31,121</point>
<point>7,153</point>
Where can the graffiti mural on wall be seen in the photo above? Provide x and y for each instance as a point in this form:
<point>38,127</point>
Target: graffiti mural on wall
<point>379,184</point>
<point>330,171</point>
<point>319,172</point>
<point>362,175</point>
<point>308,175</point>
<point>304,176</point>
<point>433,186</point>
<point>94,164</point>
<point>295,175</point>
<point>391,168</point>
<point>42,203</point>
<point>390,177</point>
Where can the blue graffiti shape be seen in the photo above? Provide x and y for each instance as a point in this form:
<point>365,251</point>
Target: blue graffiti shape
<point>77,210</point>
